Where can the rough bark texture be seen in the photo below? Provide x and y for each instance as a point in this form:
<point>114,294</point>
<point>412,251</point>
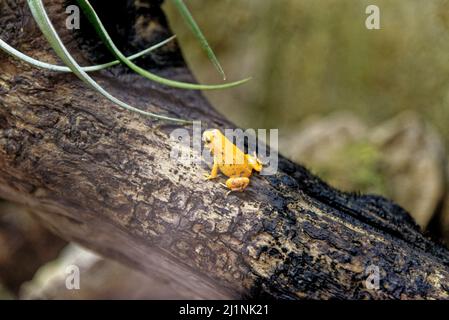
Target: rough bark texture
<point>102,177</point>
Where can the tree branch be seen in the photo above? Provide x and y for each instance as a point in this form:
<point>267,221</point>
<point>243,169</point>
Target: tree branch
<point>103,177</point>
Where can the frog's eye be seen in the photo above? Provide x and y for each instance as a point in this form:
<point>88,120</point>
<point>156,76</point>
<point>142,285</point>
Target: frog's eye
<point>208,140</point>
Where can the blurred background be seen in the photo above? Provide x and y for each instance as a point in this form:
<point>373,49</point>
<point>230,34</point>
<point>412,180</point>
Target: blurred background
<point>317,57</point>
<point>367,110</point>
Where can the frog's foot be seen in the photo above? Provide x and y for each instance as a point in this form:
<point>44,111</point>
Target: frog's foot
<point>227,193</point>
<point>237,183</point>
<point>209,176</point>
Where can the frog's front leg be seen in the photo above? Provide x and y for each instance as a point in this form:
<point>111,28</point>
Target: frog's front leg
<point>237,183</point>
<point>214,173</point>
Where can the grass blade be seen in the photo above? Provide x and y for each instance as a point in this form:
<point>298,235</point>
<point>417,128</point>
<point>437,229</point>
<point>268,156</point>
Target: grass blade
<point>47,28</point>
<point>182,8</point>
<point>40,64</point>
<point>98,25</point>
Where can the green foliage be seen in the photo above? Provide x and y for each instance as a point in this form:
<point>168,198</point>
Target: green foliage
<point>182,8</point>
<point>40,16</point>
<point>101,30</point>
<point>47,28</point>
<point>52,67</point>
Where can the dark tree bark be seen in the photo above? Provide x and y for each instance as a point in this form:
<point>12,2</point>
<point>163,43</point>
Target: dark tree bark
<point>102,177</point>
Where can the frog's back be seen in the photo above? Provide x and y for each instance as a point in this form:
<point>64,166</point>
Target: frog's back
<point>231,161</point>
<point>236,170</point>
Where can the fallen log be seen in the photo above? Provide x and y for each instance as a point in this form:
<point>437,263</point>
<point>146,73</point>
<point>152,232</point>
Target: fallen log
<point>103,177</point>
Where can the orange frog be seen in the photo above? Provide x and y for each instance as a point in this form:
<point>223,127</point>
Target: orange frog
<point>231,161</point>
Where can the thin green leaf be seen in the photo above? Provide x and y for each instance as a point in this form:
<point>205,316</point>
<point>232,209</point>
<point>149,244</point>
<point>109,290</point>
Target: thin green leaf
<point>95,21</point>
<point>40,64</point>
<point>47,28</point>
<point>182,8</point>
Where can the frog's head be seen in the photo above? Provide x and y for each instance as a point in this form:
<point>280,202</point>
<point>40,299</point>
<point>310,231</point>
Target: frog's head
<point>209,137</point>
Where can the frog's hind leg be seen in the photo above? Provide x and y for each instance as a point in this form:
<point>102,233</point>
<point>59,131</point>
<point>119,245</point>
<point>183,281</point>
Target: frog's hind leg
<point>237,183</point>
<point>213,174</point>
